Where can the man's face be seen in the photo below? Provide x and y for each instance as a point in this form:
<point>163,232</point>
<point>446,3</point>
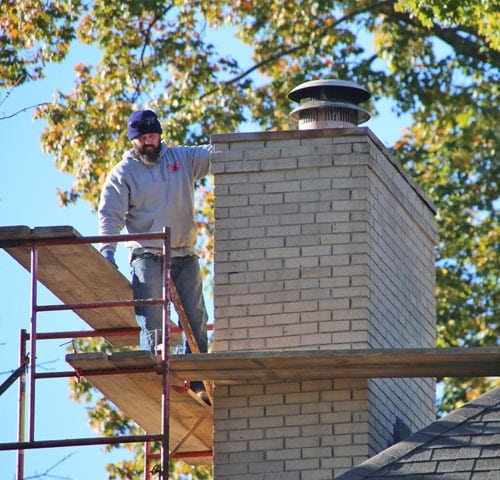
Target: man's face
<point>147,147</point>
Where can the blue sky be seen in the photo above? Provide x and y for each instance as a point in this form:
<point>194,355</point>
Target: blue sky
<point>28,186</point>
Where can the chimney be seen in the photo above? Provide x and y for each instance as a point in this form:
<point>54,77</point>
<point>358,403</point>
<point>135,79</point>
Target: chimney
<point>322,242</point>
<point>329,104</point>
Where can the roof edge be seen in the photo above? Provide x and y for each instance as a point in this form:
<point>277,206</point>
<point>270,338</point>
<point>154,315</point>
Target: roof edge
<point>426,435</point>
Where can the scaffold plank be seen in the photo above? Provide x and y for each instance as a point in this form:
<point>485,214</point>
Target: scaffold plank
<point>233,367</point>
<point>77,274</point>
<point>138,395</point>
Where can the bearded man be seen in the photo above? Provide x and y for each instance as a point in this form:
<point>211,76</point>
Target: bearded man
<point>152,187</point>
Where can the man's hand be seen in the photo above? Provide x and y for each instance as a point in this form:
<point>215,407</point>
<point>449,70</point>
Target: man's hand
<point>110,257</point>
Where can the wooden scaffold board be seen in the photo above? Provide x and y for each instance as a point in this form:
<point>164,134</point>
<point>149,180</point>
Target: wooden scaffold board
<point>237,367</point>
<point>76,274</point>
<point>138,395</point>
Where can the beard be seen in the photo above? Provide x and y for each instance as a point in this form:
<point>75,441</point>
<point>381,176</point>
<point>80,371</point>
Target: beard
<point>148,153</point>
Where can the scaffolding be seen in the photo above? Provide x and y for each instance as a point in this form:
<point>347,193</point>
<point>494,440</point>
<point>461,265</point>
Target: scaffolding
<point>49,254</point>
<point>135,380</point>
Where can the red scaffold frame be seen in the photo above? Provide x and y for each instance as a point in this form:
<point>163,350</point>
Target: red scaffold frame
<point>29,361</point>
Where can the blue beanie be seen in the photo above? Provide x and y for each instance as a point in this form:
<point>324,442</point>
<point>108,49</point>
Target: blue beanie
<point>141,122</point>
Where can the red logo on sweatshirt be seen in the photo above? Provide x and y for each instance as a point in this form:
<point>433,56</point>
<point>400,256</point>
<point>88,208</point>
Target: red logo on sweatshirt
<point>174,167</point>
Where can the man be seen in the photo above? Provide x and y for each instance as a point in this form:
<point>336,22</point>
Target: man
<point>152,188</point>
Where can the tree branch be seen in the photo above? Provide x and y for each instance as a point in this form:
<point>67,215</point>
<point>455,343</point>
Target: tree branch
<point>47,472</point>
<point>6,117</point>
<point>288,51</point>
<point>146,43</point>
<point>461,45</point>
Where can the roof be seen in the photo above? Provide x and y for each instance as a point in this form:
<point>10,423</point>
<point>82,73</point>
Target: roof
<point>463,445</point>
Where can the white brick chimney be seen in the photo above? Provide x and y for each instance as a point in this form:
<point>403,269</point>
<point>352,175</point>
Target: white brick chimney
<point>322,241</point>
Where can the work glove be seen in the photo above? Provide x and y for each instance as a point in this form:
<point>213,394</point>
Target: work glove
<point>110,257</point>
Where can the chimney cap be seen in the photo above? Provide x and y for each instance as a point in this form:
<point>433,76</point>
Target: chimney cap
<point>360,114</point>
<point>341,90</point>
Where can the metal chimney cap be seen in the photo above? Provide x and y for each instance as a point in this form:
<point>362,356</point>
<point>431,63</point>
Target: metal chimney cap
<point>361,115</point>
<point>341,90</point>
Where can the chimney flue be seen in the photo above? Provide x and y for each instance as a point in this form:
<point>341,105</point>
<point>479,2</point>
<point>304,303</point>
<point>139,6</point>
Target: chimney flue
<point>329,104</point>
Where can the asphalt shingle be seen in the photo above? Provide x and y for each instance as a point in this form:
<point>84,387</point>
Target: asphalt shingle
<point>463,445</point>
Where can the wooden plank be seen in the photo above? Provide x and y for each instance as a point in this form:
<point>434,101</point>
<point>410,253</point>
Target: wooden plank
<point>231,367</point>
<point>188,331</point>
<point>77,274</point>
<point>138,395</point>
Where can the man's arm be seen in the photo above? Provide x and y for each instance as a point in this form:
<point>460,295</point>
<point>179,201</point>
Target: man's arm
<point>201,161</point>
<point>112,211</point>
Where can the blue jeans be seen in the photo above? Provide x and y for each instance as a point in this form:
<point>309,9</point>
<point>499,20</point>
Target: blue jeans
<point>147,282</point>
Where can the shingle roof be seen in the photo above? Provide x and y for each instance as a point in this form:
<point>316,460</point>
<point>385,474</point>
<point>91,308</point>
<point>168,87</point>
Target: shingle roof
<point>464,445</point>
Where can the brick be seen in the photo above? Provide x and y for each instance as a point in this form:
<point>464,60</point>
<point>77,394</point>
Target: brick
<point>270,444</point>
<point>339,464</point>
<point>246,457</point>
<point>343,148</point>
<point>245,277</point>
<point>350,450</point>
<point>250,211</point>
<point>242,166</point>
<point>314,207</point>
<point>229,469</point>
<point>263,221</point>
<point>350,428</point>
<point>301,240</point>
<point>268,287</point>
<point>247,434</point>
<point>264,199</point>
<point>231,311</point>
<point>273,469</point>
<point>282,454</point>
<point>300,329</point>
<point>283,319</point>
<point>280,209</point>
<point>282,343</point>
<point>315,161</point>
<point>229,447</point>
<point>301,262</point>
<point>269,176</point>
<point>260,265</point>
<point>295,420</point>
<point>265,309</point>
<point>246,389</point>
<point>285,252</point>
<point>316,184</point>
<point>233,201</point>
<point>246,299</point>
<point>237,233</point>
<point>315,341</point>
<point>267,332</point>
<point>302,464</point>
<point>246,254</point>
<point>300,306</point>
<point>317,250</point>
<point>279,163</point>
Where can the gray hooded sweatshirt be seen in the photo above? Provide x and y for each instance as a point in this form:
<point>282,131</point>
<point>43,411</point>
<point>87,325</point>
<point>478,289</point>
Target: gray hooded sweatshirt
<point>146,198</point>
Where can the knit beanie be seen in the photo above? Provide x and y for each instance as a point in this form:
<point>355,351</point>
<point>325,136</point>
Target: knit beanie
<point>141,122</point>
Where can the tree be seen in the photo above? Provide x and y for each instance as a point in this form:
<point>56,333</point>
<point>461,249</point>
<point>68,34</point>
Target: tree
<point>436,61</point>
